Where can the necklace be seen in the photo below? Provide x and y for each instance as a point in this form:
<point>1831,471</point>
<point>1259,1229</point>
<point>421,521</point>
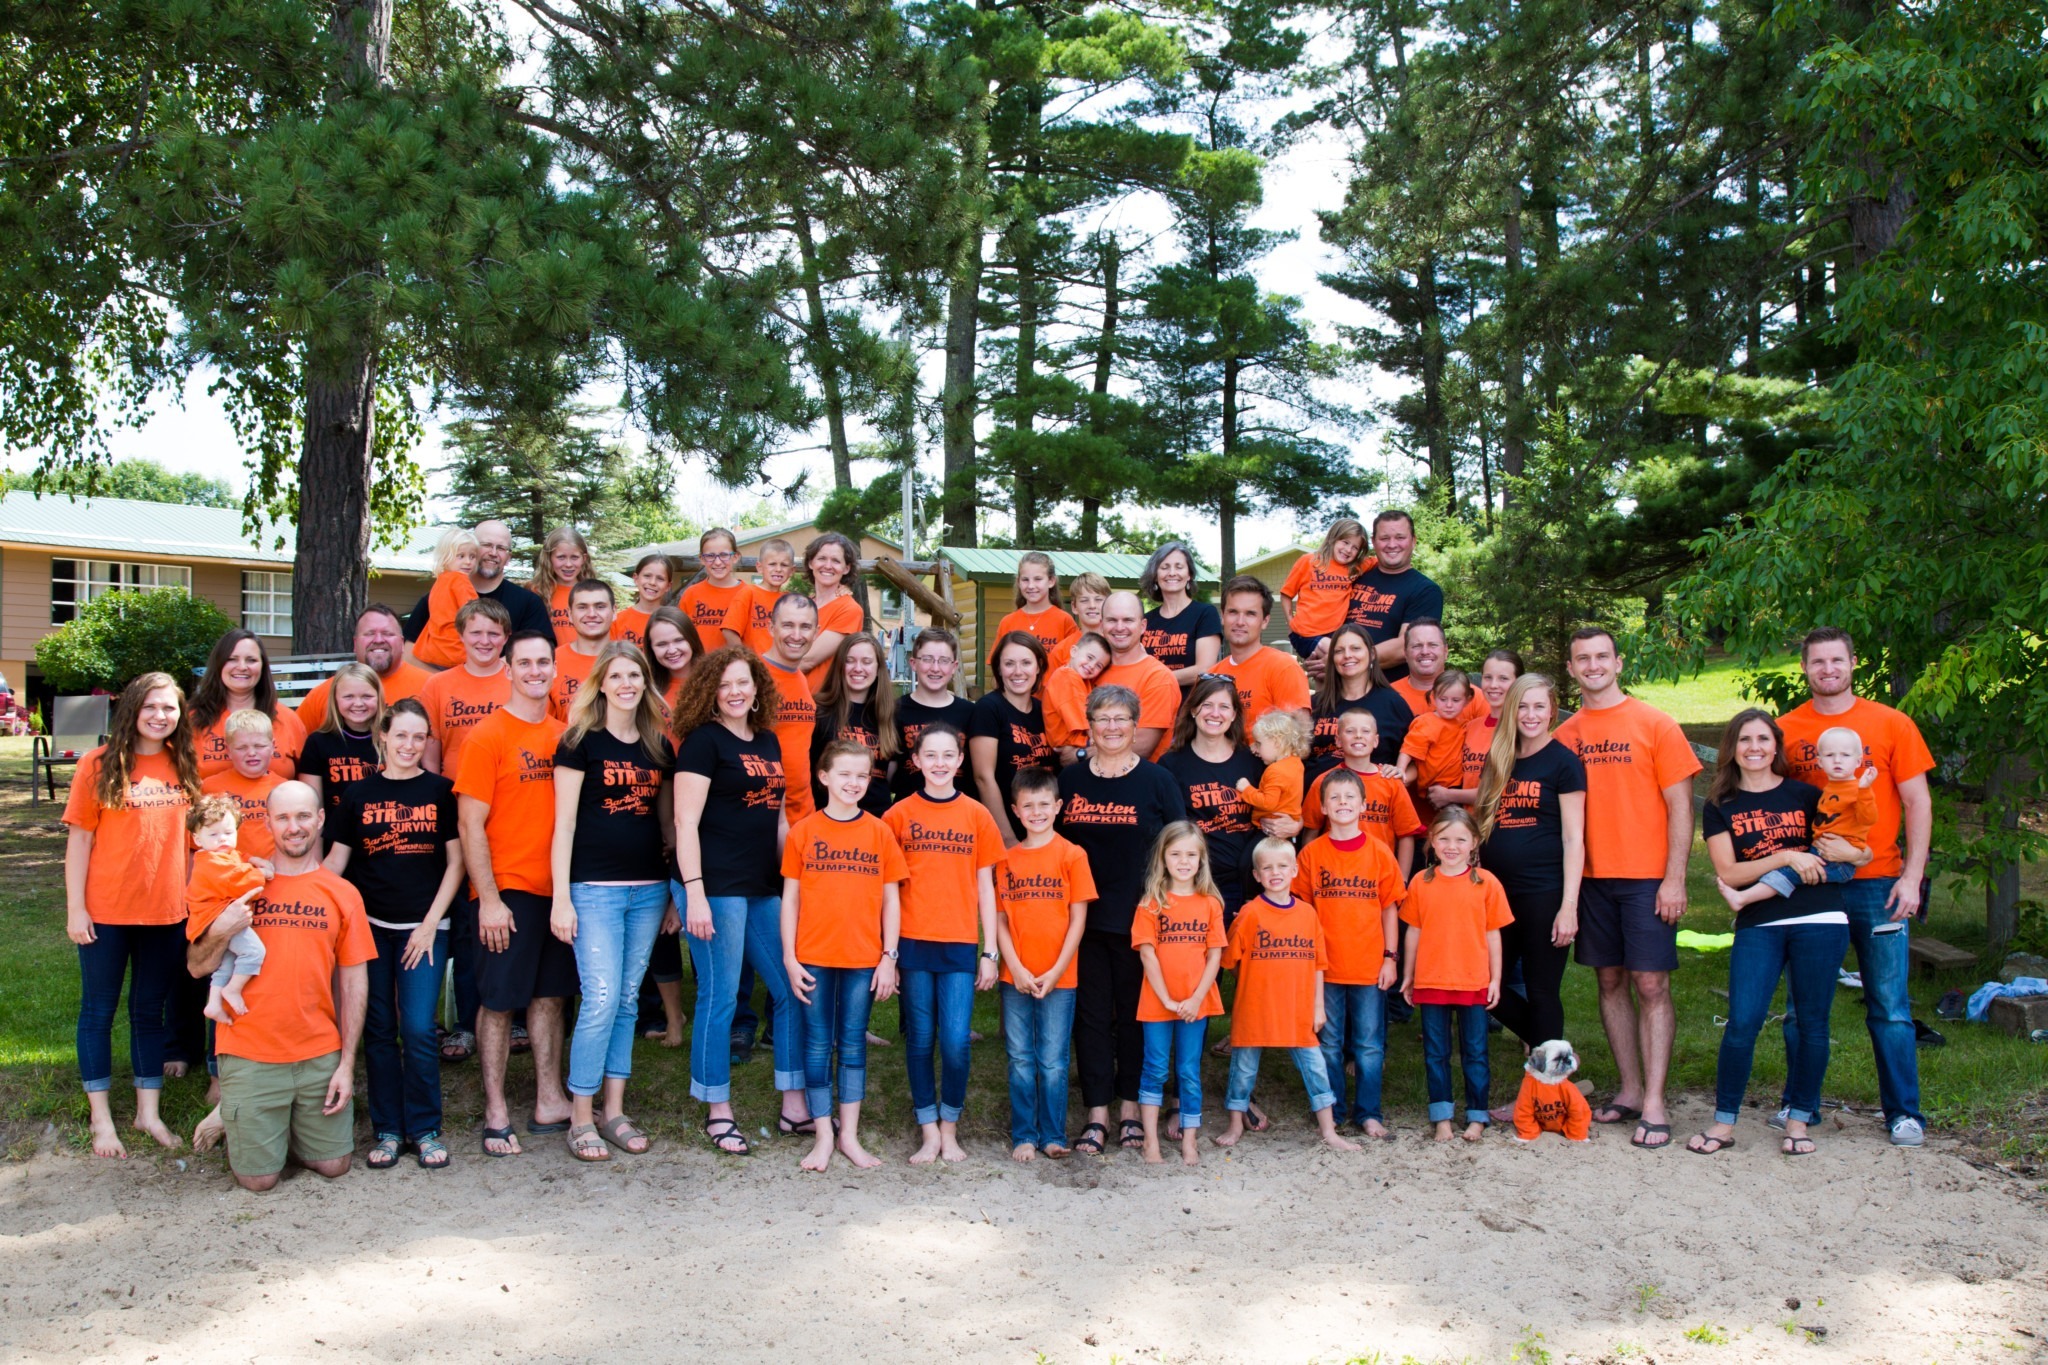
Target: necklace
<point>1095,765</point>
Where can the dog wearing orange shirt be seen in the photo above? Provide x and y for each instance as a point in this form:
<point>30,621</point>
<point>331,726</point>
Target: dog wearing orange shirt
<point>1549,1102</point>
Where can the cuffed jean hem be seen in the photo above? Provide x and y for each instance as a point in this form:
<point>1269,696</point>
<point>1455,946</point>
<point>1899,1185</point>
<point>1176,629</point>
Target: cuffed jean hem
<point>710,1094</point>
<point>789,1080</point>
<point>1442,1110</point>
<point>106,1083</point>
<point>853,1089</point>
<point>1244,1074</point>
<point>942,1113</point>
<point>1158,1101</point>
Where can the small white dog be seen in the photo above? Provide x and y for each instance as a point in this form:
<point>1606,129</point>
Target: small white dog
<point>1549,1102</point>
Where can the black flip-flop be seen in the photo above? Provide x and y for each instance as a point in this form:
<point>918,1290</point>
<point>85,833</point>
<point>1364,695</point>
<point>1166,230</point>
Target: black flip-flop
<point>722,1130</point>
<point>539,1129</point>
<point>785,1126</point>
<point>492,1135</point>
<point>1622,1114</point>
<point>1644,1130</point>
<point>1721,1144</point>
<point>1092,1140</point>
<point>1130,1134</point>
<point>1790,1146</point>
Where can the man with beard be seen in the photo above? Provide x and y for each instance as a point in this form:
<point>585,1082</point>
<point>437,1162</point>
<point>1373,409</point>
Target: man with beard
<point>380,646</point>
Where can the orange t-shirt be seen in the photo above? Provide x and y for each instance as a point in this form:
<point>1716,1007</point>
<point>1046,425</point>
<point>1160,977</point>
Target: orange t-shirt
<point>1036,891</point>
<point>1546,1107</point>
<point>749,616</point>
<point>1057,655</point>
<point>946,844</point>
<point>440,644</point>
<point>1419,704</point>
<point>252,804</point>
<point>137,871</point>
<point>1279,789</point>
<point>558,614</point>
<point>706,604</point>
<point>841,616</point>
<point>310,923</point>
<point>1847,811</point>
<point>509,765</point>
<point>404,680</point>
<point>1438,748</point>
<point>287,736</point>
<point>1452,917</point>
<point>1065,702</point>
<point>1478,739</point>
<point>1321,593</point>
<point>1632,751</point>
<point>796,719</point>
<point>457,702</point>
<point>1050,625</point>
<point>1158,695</point>
<point>1351,889</point>
<point>1387,814</point>
<point>1267,681</point>
<point>219,876</point>
<point>1180,934</point>
<point>1891,743</point>
<point>630,625</point>
<point>571,668</point>
<point>1277,950</point>
<point>840,867</point>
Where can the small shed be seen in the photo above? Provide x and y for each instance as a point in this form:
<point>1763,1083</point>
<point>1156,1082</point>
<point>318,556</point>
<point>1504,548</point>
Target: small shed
<point>1272,570</point>
<point>983,589</point>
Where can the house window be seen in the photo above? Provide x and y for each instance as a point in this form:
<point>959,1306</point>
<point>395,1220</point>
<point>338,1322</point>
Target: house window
<point>75,582</point>
<point>267,603</point>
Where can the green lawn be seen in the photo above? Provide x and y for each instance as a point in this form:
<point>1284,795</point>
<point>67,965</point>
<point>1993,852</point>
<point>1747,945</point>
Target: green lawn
<point>1704,702</point>
<point>1982,1081</point>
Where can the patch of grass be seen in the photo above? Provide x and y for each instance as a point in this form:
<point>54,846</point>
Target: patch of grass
<point>1530,1348</point>
<point>1713,694</point>
<point>1707,1334</point>
<point>1646,1294</point>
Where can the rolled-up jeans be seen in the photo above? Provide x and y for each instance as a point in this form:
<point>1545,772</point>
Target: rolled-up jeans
<point>157,955</point>
<point>938,1011</point>
<point>1174,1044</point>
<point>615,929</point>
<point>1038,1034</point>
<point>744,929</point>
<point>1244,1074</point>
<point>837,1020</point>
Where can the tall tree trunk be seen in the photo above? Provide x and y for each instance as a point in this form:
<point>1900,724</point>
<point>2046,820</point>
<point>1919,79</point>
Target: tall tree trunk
<point>1227,509</point>
<point>1442,466</point>
<point>1105,358</point>
<point>1515,359</point>
<point>331,563</point>
<point>824,358</point>
<point>958,499</point>
<point>1023,482</point>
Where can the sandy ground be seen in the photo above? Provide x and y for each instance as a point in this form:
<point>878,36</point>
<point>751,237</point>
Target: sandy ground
<point>1280,1251</point>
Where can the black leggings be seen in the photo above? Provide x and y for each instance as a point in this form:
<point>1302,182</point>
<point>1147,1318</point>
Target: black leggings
<point>1539,1017</point>
<point>1109,1047</point>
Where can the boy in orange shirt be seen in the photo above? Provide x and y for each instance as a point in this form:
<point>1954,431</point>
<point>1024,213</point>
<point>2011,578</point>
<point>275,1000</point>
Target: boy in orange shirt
<point>1450,966</point>
<point>220,876</point>
<point>1388,813</point>
<point>1178,932</point>
<point>841,918</point>
<point>1066,692</point>
<point>1280,739</point>
<point>747,621</point>
<point>248,781</point>
<point>1848,809</point>
<point>1356,886</point>
<point>1434,752</point>
<point>1043,887</point>
<point>1277,947</point>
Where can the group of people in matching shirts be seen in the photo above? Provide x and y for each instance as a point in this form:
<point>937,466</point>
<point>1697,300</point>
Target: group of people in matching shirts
<point>1142,802</point>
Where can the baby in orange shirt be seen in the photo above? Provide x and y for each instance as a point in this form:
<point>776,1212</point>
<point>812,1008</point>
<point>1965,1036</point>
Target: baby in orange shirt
<point>1848,808</point>
<point>1067,688</point>
<point>221,876</point>
<point>455,557</point>
<point>1434,751</point>
<point>1280,739</point>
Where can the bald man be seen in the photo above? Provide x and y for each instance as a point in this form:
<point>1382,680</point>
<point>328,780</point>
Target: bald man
<point>287,1066</point>
<point>1123,625</point>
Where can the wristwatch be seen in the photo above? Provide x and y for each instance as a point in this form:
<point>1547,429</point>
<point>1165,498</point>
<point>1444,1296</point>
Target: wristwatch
<point>890,954</point>
<point>991,957</point>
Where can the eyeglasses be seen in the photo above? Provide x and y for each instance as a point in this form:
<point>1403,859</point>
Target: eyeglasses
<point>716,554</point>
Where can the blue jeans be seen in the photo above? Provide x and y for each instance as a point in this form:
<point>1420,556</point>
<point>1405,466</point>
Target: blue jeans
<point>1882,958</point>
<point>1355,1028</point>
<point>615,929</point>
<point>1437,1022</point>
<point>158,952</point>
<point>1244,1073</point>
<point>1179,1043</point>
<point>400,1051</point>
<point>1812,953</point>
<point>1785,881</point>
<point>1039,1035</point>
<point>937,1008</point>
<point>837,1016</point>
<point>749,929</point>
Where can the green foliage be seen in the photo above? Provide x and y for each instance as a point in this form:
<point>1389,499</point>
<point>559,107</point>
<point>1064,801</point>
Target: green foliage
<point>535,472</point>
<point>1707,1334</point>
<point>119,635</point>
<point>142,479</point>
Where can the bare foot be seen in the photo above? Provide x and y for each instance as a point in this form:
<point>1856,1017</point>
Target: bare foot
<point>1230,1135</point>
<point>1373,1128</point>
<point>861,1157</point>
<point>1190,1148</point>
<point>672,1038</point>
<point>1444,1131</point>
<point>1337,1142</point>
<point>1024,1151</point>
<point>159,1130</point>
<point>928,1150</point>
<point>877,1040</point>
<point>232,997</point>
<point>210,1131</point>
<point>819,1158</point>
<point>107,1142</point>
<point>1729,894</point>
<point>950,1148</point>
<point>218,1012</point>
<point>1474,1132</point>
<point>175,1071</point>
<point>1153,1157</point>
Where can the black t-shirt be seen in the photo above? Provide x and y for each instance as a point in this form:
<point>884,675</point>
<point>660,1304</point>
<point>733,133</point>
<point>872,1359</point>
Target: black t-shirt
<point>1527,848</point>
<point>1214,803</point>
<point>340,760</point>
<point>618,820</point>
<point>912,718</point>
<point>397,833</point>
<point>736,833</point>
<point>876,800</point>
<point>1171,639</point>
<point>1115,821</point>
<point>528,611</point>
<point>1763,823</point>
<point>1019,737</point>
<point>1389,709</point>
<point>1384,602</point>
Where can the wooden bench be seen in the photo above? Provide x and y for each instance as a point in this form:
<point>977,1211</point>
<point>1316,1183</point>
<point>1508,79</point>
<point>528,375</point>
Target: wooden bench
<point>297,674</point>
<point>1935,956</point>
